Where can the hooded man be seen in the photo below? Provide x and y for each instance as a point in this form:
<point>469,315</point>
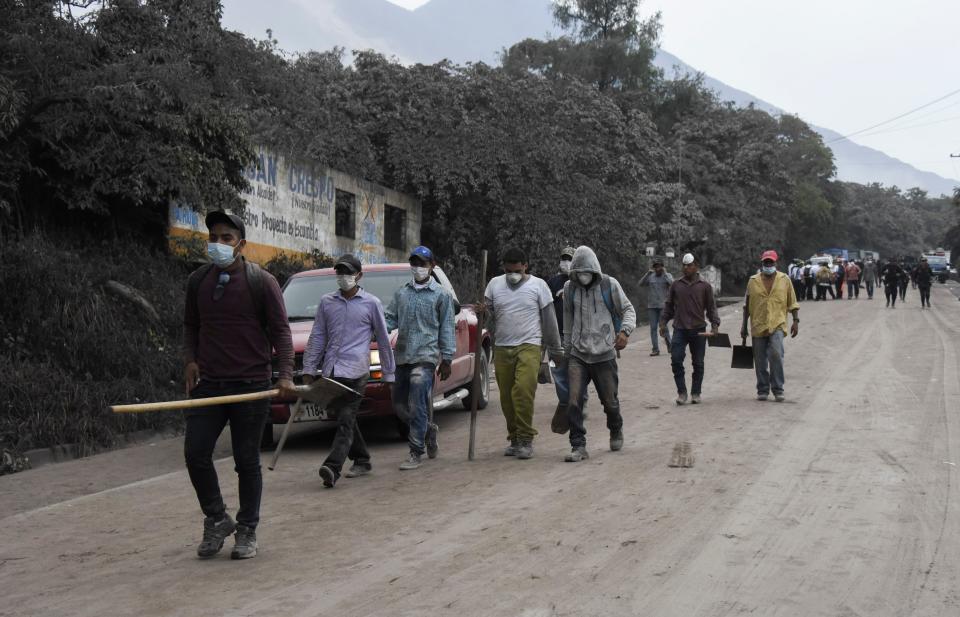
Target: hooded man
<point>559,373</point>
<point>770,296</point>
<point>597,321</point>
<point>688,300</point>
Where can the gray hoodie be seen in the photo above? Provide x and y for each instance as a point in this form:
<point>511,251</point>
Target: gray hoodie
<point>587,323</point>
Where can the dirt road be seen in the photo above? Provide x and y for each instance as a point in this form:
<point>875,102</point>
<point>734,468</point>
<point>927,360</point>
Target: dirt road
<point>842,501</point>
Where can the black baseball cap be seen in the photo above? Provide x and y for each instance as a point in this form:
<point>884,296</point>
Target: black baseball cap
<point>349,261</point>
<point>219,216</point>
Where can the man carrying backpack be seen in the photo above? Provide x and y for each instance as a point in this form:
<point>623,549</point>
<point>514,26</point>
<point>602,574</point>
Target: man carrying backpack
<point>597,321</point>
<point>234,314</point>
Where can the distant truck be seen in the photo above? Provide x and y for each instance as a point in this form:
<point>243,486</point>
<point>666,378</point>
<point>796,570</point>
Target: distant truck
<point>939,262</point>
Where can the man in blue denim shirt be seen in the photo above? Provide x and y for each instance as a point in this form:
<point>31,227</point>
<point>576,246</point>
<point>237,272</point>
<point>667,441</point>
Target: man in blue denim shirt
<point>422,312</point>
<point>339,344</point>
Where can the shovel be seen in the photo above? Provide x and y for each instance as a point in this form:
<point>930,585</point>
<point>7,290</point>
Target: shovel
<point>742,356</point>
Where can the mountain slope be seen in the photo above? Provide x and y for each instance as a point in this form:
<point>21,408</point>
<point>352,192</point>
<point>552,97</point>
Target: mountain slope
<point>477,30</point>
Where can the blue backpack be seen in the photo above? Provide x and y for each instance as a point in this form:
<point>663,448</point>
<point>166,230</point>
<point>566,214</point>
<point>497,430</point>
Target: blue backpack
<point>606,292</point>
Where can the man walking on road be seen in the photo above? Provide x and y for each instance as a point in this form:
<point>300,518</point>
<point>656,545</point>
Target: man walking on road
<point>597,321</point>
<point>339,343</point>
<point>522,321</point>
<point>769,298</point>
<point>422,312</point>
<point>689,299</point>
<point>890,275</point>
<point>839,274</point>
<point>853,280</point>
<point>923,277</point>
<point>658,282</point>
<point>559,373</point>
<point>869,276</point>
<point>904,281</point>
<point>234,315</point>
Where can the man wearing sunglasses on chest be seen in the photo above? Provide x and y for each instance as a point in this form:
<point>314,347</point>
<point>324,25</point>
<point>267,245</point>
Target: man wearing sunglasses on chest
<point>234,316</point>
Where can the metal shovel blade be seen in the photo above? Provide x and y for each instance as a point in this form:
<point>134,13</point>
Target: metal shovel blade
<point>742,356</point>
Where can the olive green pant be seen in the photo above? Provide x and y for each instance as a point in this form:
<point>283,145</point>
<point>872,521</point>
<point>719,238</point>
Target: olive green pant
<point>516,369</point>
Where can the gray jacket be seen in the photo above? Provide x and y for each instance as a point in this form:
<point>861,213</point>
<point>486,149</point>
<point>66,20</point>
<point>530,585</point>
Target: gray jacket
<point>657,288</point>
<point>588,332</point>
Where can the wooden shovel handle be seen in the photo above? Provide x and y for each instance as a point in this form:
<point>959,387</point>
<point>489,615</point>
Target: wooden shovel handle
<point>195,402</point>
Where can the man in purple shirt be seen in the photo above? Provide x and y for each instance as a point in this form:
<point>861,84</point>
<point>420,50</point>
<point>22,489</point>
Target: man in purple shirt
<point>234,314</point>
<point>339,346</point>
<point>688,300</point>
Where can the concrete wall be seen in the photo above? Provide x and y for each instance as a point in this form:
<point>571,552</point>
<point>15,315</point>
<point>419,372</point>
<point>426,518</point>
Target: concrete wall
<point>291,206</point>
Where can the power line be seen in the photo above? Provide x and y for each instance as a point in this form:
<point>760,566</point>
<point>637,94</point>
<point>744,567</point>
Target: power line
<point>911,126</point>
<point>879,124</point>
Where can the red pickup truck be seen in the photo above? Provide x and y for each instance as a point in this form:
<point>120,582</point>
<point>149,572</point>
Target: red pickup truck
<point>302,294</point>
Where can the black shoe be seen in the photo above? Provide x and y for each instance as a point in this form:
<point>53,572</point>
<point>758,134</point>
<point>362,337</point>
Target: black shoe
<point>246,543</point>
<point>616,440</point>
<point>328,475</point>
<point>214,533</point>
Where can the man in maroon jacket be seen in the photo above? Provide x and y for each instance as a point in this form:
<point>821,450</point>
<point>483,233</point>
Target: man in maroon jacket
<point>234,315</point>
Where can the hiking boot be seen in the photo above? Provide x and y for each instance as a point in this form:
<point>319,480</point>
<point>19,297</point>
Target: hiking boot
<point>695,399</point>
<point>245,546</point>
<point>616,440</point>
<point>432,446</point>
<point>511,450</point>
<point>328,475</point>
<point>681,398</point>
<point>762,397</point>
<point>214,533</point>
<point>412,462</point>
<point>577,454</point>
<point>357,469</point>
<point>779,397</point>
<point>525,449</point>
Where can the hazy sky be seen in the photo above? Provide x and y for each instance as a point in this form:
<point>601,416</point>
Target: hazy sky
<point>840,64</point>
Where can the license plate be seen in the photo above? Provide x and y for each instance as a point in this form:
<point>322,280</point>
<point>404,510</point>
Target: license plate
<point>311,412</point>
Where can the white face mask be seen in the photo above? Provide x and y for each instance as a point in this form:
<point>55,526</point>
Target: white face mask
<point>220,254</point>
<point>420,275</point>
<point>768,270</point>
<point>565,266</point>
<point>514,278</point>
<point>346,282</point>
<point>585,278</point>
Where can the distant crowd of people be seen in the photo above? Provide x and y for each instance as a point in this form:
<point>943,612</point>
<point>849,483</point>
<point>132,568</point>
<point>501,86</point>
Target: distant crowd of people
<point>814,280</point>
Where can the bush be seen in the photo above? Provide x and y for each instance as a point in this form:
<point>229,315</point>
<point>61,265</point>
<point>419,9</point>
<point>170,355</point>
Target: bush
<point>285,264</point>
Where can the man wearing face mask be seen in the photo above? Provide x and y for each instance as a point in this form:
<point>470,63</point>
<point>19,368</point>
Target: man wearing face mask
<point>234,314</point>
<point>559,373</point>
<point>658,282</point>
<point>597,321</point>
<point>521,307</point>
<point>687,301</point>
<point>423,314</point>
<point>339,344</point>
<point>770,296</point>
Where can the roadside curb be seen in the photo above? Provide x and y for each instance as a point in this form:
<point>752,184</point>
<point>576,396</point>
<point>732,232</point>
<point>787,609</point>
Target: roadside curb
<point>39,457</point>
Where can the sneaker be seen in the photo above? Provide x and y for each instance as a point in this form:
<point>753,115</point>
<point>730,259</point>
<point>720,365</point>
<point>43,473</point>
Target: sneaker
<point>432,446</point>
<point>328,475</point>
<point>412,462</point>
<point>681,398</point>
<point>577,454</point>
<point>511,450</point>
<point>762,397</point>
<point>779,397</point>
<point>654,353</point>
<point>357,469</point>
<point>616,440</point>
<point>695,399</point>
<point>525,449</point>
<point>214,533</point>
<point>245,546</point>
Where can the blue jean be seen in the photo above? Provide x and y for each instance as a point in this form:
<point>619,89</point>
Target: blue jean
<point>561,382</point>
<point>411,401</point>
<point>605,378</point>
<point>204,425</point>
<point>654,315</point>
<point>678,352</point>
<point>768,362</point>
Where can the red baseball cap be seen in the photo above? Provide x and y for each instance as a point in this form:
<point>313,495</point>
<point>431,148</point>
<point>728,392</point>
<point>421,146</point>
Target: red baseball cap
<point>769,255</point>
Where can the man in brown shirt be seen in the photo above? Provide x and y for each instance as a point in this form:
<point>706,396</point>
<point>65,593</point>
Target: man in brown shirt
<point>688,299</point>
<point>234,315</point>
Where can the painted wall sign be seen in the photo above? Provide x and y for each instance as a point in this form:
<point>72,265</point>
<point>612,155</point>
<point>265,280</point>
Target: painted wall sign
<point>293,207</point>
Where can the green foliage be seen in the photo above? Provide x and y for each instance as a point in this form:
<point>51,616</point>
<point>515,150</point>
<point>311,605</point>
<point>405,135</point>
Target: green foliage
<point>286,264</point>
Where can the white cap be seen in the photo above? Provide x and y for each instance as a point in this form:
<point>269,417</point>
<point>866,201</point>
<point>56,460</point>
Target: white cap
<point>688,259</point>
